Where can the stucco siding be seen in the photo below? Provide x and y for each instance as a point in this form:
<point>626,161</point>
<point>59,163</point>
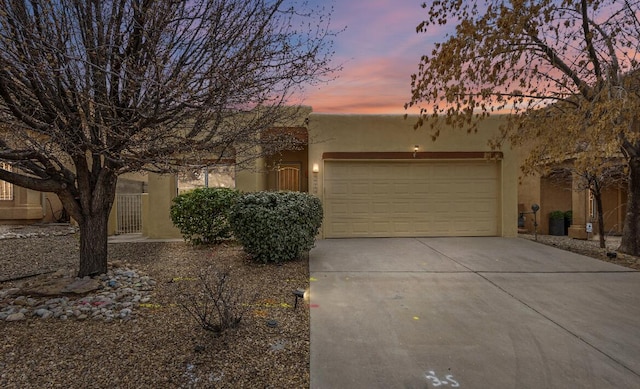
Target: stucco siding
<point>394,134</point>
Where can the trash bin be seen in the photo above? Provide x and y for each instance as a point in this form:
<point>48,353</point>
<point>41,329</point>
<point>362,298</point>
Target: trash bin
<point>556,223</point>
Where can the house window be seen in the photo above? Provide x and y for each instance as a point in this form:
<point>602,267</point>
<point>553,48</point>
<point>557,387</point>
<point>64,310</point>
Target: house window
<point>6,188</point>
<point>218,176</point>
<point>593,208</point>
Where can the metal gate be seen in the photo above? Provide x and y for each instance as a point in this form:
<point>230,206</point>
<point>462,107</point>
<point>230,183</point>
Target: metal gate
<point>129,213</point>
<point>289,177</point>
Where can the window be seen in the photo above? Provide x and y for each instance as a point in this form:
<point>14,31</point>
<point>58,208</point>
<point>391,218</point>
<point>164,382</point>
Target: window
<point>209,177</point>
<point>6,188</point>
<point>593,207</point>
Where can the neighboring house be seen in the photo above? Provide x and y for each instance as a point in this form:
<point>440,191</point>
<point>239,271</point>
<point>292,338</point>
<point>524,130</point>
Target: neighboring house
<point>23,206</point>
<point>567,192</point>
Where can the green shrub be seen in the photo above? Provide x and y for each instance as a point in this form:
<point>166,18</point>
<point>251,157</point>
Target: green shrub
<point>202,215</point>
<point>556,215</point>
<point>276,226</point>
<point>568,215</point>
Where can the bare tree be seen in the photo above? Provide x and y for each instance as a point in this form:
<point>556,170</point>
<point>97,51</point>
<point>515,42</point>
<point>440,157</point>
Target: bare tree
<point>594,183</point>
<point>92,89</point>
<point>595,180</point>
<point>566,70</point>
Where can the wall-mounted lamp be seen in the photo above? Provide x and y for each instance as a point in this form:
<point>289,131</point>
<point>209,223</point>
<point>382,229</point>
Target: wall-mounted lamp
<point>415,150</point>
<point>315,168</point>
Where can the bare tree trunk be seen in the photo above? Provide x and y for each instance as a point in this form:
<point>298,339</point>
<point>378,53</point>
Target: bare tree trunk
<point>91,207</point>
<point>597,193</point>
<point>631,232</point>
<point>93,244</point>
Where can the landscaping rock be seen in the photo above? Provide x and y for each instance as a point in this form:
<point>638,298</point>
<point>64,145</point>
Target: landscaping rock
<point>16,317</point>
<point>102,300</point>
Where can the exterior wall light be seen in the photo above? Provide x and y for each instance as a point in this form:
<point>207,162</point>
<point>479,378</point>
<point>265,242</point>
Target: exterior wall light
<point>415,150</point>
<point>315,168</point>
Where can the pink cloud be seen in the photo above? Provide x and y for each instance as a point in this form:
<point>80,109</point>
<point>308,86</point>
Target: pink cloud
<point>379,50</point>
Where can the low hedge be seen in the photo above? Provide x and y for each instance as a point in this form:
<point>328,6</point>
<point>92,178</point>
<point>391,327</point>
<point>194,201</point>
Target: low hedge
<point>276,226</point>
<point>202,215</point>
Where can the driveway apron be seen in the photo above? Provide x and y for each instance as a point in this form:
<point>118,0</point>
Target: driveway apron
<point>470,313</point>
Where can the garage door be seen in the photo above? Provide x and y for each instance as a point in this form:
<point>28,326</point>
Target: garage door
<point>412,198</point>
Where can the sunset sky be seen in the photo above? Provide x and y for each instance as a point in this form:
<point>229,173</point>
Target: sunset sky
<point>379,50</point>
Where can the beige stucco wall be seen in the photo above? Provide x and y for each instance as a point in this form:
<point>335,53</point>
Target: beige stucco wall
<point>27,206</point>
<point>112,224</point>
<point>162,190</point>
<point>555,196</point>
<point>252,178</point>
<point>394,133</point>
<point>528,195</point>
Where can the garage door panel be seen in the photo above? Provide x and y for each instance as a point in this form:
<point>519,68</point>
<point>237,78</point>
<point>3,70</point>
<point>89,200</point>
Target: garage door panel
<point>358,188</point>
<point>360,208</point>
<point>382,188</point>
<point>361,226</point>
<point>337,207</point>
<point>381,226</point>
<point>421,228</point>
<point>401,188</point>
<point>379,208</point>
<point>417,198</point>
<point>402,227</point>
<point>410,198</point>
<point>403,208</point>
<point>336,188</point>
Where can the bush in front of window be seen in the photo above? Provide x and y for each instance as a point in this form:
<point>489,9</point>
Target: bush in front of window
<point>202,215</point>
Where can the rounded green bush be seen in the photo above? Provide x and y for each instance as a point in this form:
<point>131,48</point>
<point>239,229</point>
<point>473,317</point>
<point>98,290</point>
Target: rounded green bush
<point>276,226</point>
<point>556,215</point>
<point>202,215</point>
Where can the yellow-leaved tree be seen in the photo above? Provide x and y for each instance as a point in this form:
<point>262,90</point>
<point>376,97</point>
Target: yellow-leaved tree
<point>567,73</point>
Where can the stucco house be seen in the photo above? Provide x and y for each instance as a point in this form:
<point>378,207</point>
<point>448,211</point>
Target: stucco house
<point>566,192</point>
<point>19,205</point>
<point>376,176</point>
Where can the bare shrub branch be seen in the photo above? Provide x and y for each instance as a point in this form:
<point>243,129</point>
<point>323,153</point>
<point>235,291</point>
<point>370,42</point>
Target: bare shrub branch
<point>217,304</point>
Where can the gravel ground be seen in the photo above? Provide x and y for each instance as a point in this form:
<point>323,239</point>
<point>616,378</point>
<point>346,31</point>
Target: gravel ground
<point>165,347</point>
<point>590,248</point>
<point>23,257</point>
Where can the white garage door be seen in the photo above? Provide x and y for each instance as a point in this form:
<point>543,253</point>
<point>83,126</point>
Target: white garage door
<point>413,198</point>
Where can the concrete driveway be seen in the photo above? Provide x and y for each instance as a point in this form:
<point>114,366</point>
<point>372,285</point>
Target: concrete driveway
<point>470,313</point>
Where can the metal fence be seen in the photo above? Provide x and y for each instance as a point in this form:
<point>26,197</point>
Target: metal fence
<point>129,212</point>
